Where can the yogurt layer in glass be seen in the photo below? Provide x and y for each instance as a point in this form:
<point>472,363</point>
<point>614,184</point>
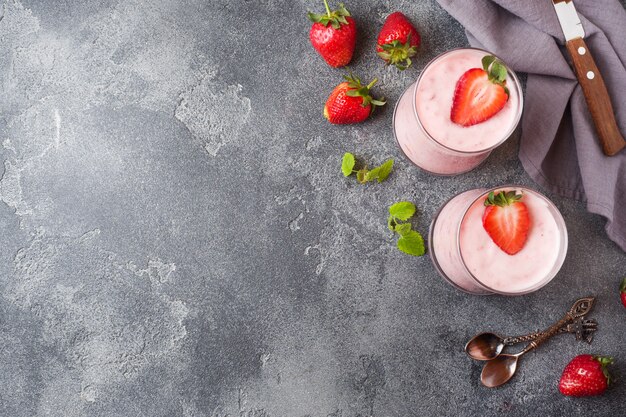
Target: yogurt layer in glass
<point>422,124</point>
<point>466,256</point>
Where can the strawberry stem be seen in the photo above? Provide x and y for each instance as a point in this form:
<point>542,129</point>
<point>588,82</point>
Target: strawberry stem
<point>327,8</point>
<point>370,85</point>
<point>334,18</point>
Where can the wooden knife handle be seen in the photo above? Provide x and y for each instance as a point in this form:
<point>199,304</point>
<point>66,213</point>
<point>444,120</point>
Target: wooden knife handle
<point>597,97</point>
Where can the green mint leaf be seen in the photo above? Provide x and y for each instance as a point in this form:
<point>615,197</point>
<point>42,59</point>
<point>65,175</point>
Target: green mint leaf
<point>403,210</point>
<point>384,170</point>
<point>487,61</point>
<point>403,229</point>
<point>412,243</point>
<point>347,164</point>
<point>373,174</point>
<point>361,174</point>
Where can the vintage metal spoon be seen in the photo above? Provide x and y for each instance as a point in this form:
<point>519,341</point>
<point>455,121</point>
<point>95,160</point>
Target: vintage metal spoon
<point>487,346</point>
<point>499,370</point>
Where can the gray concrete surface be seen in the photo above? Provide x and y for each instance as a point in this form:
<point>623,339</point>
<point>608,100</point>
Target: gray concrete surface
<point>177,239</point>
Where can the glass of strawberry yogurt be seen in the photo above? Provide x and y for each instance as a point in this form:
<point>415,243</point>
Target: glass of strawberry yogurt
<point>422,119</point>
<point>514,245</point>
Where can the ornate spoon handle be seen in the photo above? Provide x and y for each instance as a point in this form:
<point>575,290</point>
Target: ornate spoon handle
<point>581,327</point>
<point>551,331</point>
<point>513,340</point>
<point>581,307</point>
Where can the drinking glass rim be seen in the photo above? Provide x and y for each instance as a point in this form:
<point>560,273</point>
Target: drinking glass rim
<point>514,125</point>
<point>560,224</point>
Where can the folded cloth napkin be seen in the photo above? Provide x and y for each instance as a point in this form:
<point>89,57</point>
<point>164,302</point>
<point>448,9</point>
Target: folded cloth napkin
<point>559,147</point>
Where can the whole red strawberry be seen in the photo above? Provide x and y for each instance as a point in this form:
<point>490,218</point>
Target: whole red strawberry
<point>585,375</point>
<point>480,93</point>
<point>350,102</point>
<point>398,41</point>
<point>333,35</point>
<point>506,220</point>
<point>622,290</point>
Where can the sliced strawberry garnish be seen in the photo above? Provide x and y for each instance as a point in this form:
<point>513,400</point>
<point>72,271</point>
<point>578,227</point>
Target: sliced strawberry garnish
<point>480,93</point>
<point>506,220</point>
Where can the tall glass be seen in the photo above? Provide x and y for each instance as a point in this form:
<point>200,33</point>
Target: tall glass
<point>422,124</point>
<point>464,254</point>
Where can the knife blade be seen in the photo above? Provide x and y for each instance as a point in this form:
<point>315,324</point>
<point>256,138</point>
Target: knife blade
<point>590,79</point>
<point>569,20</point>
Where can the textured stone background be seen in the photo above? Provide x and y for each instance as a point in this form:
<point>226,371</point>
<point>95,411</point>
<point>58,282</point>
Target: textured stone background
<point>177,239</point>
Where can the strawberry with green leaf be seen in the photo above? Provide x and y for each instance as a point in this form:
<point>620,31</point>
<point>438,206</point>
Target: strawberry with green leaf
<point>506,220</point>
<point>622,291</point>
<point>333,35</point>
<point>480,93</point>
<point>351,102</point>
<point>398,41</point>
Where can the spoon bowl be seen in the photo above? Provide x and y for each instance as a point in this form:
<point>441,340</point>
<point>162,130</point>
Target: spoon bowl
<point>499,370</point>
<point>485,346</point>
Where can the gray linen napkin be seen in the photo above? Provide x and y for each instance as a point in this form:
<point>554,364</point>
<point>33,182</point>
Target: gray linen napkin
<point>559,147</point>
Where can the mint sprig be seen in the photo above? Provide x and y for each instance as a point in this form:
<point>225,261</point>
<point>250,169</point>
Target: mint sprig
<point>363,175</point>
<point>411,241</point>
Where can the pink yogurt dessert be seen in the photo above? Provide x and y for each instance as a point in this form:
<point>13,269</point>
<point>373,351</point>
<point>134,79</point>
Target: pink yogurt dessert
<point>422,124</point>
<point>466,256</point>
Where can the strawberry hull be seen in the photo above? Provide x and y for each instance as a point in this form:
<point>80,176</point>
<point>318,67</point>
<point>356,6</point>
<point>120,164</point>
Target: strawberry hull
<point>398,41</point>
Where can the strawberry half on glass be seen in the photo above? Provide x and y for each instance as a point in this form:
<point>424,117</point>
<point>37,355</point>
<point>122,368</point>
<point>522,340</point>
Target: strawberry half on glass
<point>333,35</point>
<point>350,102</point>
<point>506,220</point>
<point>398,41</point>
<point>585,376</point>
<point>480,93</point>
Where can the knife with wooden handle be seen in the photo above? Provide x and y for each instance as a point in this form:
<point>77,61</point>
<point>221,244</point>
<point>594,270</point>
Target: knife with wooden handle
<point>590,79</point>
